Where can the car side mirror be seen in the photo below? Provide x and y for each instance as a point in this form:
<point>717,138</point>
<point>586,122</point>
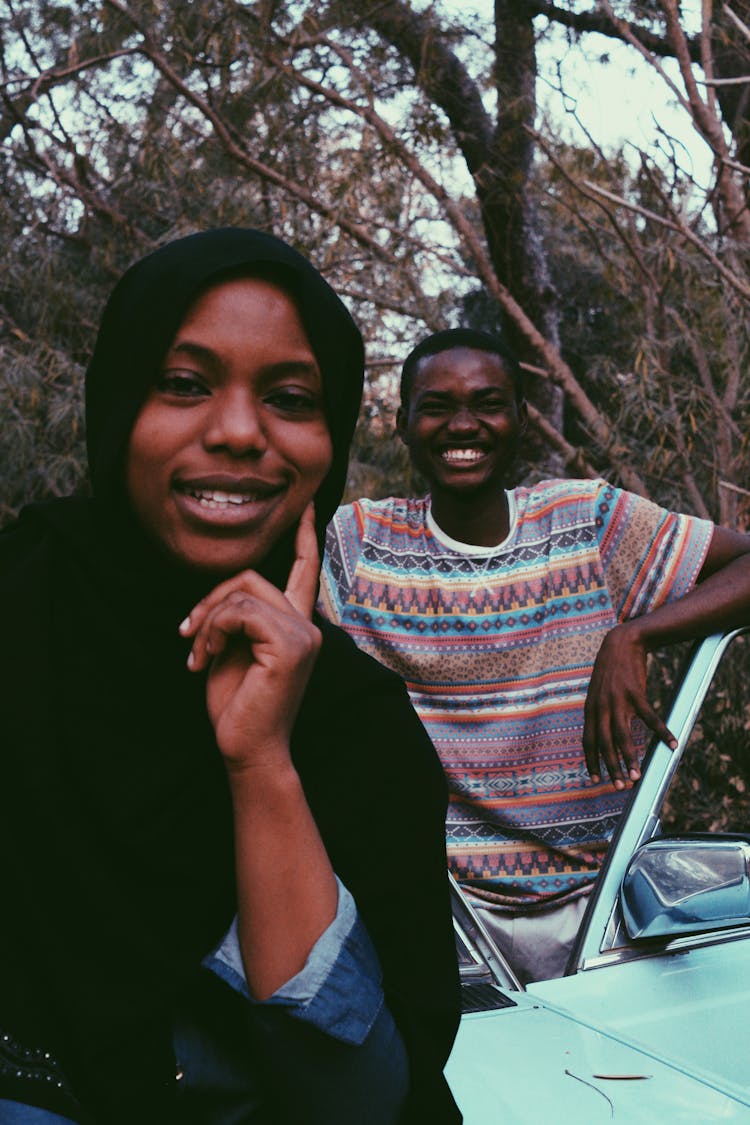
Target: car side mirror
<point>686,885</point>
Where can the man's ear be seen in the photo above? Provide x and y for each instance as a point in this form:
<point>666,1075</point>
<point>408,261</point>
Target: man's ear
<point>401,424</point>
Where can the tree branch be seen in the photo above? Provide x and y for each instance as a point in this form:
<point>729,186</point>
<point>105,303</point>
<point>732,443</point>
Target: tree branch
<point>573,457</point>
<point>355,231</point>
<point>438,72</point>
<point>18,104</point>
<point>740,286</point>
<point>604,23</point>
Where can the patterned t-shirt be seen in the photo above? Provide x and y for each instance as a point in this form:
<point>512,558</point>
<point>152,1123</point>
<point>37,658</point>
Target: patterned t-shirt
<point>497,646</point>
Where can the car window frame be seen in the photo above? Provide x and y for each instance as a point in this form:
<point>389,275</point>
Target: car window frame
<point>602,939</point>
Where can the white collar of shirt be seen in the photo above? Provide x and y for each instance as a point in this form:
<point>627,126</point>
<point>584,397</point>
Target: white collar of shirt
<point>470,548</point>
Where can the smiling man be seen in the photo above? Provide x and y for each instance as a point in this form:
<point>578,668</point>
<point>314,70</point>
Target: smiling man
<point>520,619</point>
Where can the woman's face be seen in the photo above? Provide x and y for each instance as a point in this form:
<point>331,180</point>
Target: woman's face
<point>231,442</point>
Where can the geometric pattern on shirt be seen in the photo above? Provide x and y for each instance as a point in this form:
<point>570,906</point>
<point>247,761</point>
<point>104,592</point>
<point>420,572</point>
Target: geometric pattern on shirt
<point>499,679</point>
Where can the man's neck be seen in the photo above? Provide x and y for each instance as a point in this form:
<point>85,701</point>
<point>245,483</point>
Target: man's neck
<point>481,520</point>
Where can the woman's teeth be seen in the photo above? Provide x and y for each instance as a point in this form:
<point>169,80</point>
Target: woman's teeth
<point>220,499</point>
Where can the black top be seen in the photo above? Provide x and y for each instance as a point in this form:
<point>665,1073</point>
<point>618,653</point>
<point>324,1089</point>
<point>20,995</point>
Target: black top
<point>115,813</point>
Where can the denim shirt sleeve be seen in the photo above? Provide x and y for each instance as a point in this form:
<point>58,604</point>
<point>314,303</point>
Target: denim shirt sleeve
<point>338,990</point>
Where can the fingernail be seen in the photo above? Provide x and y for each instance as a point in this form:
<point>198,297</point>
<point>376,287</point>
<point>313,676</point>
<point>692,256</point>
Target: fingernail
<point>191,660</point>
<point>595,778</point>
<point>185,625</point>
<point>672,744</point>
<point>619,783</point>
<point>635,775</point>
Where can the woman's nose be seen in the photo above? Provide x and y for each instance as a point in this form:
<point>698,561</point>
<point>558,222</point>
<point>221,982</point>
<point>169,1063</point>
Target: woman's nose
<point>236,424</point>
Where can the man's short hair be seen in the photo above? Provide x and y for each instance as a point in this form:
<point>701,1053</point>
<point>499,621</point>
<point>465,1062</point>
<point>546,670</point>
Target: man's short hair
<point>460,338</point>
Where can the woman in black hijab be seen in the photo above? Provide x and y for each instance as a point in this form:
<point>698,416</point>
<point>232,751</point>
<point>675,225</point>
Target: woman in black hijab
<point>160,779</point>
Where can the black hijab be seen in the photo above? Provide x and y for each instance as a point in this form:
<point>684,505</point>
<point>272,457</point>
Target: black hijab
<point>149,303</point>
<point>118,869</point>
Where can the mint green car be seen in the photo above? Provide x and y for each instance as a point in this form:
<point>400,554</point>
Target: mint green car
<point>651,1022</point>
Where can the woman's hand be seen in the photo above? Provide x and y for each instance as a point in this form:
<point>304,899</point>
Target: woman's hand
<point>259,646</point>
<point>617,696</point>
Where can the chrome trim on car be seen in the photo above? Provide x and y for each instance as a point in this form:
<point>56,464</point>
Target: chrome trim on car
<point>674,946</point>
<point>477,951</point>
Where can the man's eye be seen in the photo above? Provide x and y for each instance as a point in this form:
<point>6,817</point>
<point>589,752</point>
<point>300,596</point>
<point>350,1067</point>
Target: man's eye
<point>183,384</point>
<point>493,406</point>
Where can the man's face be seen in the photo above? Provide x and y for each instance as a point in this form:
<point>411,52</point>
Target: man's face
<point>463,422</point>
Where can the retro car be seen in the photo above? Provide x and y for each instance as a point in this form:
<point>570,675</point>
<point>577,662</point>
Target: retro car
<point>652,1020</point>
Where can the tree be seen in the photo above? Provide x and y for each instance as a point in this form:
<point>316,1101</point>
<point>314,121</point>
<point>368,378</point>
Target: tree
<point>686,260</point>
<point>403,149</point>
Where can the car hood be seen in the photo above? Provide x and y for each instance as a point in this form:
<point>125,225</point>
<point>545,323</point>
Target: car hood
<point>537,1061</point>
<point>689,1007</point>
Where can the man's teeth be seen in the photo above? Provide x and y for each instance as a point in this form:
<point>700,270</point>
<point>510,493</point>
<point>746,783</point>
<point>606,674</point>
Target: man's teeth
<point>217,499</point>
<point>462,455</point>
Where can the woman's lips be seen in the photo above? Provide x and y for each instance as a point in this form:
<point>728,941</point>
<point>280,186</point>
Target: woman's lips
<point>226,505</point>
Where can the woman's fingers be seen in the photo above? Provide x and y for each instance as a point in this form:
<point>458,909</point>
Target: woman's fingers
<point>302,586</point>
<point>259,660</point>
<point>247,581</point>
<point>301,589</point>
<point>240,614</point>
<point>237,614</point>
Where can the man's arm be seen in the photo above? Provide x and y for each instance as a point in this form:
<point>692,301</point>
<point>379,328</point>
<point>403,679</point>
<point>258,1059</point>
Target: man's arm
<point>617,691</point>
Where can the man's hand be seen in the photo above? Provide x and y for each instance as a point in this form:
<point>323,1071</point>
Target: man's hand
<point>617,696</point>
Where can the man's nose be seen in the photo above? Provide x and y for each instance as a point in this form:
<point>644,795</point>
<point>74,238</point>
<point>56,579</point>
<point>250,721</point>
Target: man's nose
<point>463,420</point>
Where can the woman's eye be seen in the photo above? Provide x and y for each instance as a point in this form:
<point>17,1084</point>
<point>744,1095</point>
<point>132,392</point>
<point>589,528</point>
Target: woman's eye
<point>183,384</point>
<point>294,400</point>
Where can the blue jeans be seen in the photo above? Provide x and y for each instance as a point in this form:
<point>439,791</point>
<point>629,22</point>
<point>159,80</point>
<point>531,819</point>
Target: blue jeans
<point>319,1079</point>
<point>13,1113</point>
